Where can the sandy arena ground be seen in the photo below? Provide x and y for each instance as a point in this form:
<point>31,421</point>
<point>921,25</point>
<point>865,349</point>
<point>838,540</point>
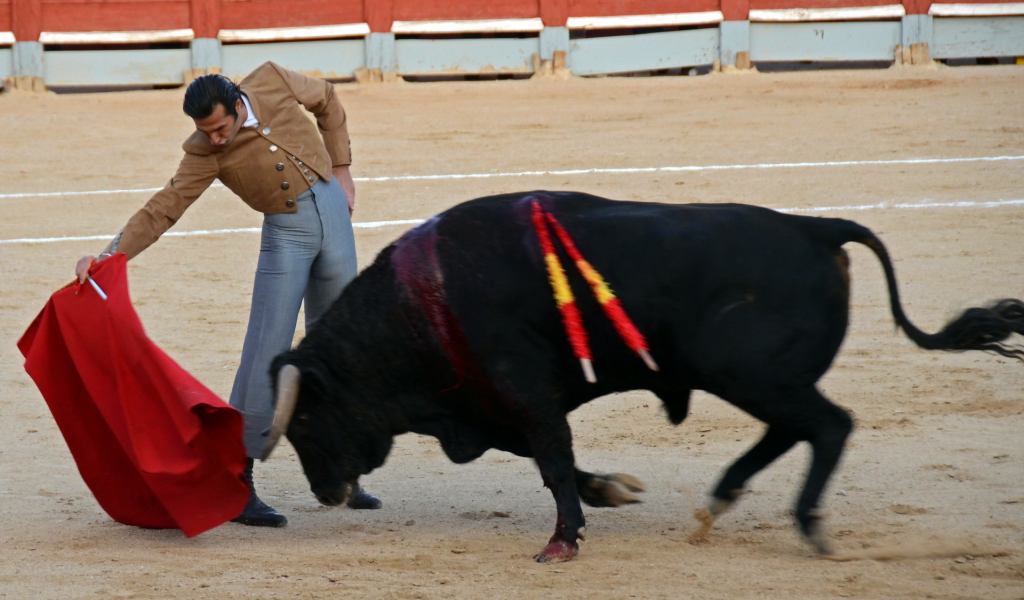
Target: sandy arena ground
<point>935,468</point>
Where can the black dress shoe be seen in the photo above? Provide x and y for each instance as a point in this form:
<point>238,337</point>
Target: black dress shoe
<point>256,513</point>
<point>362,500</point>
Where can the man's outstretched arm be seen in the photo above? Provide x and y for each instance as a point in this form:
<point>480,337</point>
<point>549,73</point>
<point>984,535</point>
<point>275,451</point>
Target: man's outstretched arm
<point>194,176</point>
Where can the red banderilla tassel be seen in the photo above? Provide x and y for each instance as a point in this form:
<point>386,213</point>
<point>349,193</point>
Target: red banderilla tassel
<point>564,298</point>
<point>605,297</point>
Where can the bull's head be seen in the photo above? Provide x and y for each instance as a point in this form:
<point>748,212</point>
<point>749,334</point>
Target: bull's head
<point>328,440</point>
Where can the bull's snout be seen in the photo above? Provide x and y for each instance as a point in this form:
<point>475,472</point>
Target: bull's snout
<point>335,497</point>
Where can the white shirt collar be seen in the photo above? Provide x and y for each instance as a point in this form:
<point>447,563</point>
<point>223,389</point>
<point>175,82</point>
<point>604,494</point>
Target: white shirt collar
<point>252,121</point>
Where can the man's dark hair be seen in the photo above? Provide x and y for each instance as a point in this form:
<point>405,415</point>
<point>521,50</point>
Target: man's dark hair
<point>206,92</point>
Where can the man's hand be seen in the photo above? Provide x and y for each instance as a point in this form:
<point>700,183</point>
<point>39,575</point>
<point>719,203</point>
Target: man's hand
<point>82,268</point>
<point>344,177</point>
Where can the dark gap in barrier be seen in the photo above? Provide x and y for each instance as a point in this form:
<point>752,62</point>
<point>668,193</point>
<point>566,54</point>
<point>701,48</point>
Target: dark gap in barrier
<point>144,46</point>
<point>257,42</point>
<point>101,89</point>
<point>674,72</point>
<point>578,34</point>
<point>820,65</point>
<point>970,62</point>
<point>517,35</point>
<point>470,77</point>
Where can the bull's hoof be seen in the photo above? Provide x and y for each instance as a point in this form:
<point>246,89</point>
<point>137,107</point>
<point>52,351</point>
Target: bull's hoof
<point>822,545</point>
<point>604,491</point>
<point>557,551</point>
<point>707,521</point>
<point>707,517</point>
<point>814,531</point>
<point>632,483</point>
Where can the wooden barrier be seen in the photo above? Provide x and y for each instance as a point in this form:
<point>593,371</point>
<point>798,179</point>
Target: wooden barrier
<point>75,42</point>
<point>28,18</point>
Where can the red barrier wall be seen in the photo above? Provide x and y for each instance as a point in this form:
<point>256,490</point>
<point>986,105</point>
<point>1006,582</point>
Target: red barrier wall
<point>5,15</point>
<point>378,14</point>
<point>257,14</point>
<point>616,8</point>
<point>773,4</point>
<point>445,10</point>
<point>554,12</point>
<point>27,18</point>
<point>26,22</point>
<point>106,15</point>
<point>204,16</point>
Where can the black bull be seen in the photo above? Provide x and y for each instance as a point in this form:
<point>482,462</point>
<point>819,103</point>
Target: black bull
<point>453,332</point>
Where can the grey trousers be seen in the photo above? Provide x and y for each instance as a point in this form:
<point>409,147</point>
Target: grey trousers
<point>306,255</point>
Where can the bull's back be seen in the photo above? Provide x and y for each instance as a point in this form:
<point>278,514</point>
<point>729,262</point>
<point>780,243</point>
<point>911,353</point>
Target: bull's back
<point>722,292</point>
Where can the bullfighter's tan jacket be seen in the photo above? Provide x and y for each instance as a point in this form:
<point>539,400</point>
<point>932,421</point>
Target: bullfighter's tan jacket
<point>267,166</point>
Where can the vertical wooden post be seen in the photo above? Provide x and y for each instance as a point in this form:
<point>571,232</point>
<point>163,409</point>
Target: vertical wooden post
<point>204,16</point>
<point>554,13</point>
<point>735,34</point>
<point>379,15</point>
<point>26,19</point>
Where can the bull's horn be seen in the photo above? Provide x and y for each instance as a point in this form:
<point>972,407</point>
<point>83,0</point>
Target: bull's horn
<point>288,380</point>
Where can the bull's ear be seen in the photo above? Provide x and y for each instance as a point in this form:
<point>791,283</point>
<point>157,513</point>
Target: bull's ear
<point>289,379</point>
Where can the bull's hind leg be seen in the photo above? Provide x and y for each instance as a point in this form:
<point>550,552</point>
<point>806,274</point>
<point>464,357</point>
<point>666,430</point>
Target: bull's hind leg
<point>774,444</point>
<point>826,426</point>
<point>803,415</point>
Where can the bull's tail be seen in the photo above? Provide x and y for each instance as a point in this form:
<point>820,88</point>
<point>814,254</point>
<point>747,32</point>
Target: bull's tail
<point>980,328</point>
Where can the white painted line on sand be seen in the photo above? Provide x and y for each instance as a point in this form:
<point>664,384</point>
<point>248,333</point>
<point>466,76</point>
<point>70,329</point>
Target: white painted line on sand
<point>846,163</point>
<point>88,193</point>
<point>380,224</point>
<point>367,225</point>
<point>903,205</point>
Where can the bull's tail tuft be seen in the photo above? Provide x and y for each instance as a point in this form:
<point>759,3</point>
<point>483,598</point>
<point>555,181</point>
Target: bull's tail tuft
<point>984,328</point>
<point>980,328</point>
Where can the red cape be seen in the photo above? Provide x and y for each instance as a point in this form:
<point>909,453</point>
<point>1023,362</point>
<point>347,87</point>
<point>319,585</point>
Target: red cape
<point>155,446</point>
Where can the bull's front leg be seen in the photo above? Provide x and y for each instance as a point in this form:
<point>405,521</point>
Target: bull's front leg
<point>552,449</point>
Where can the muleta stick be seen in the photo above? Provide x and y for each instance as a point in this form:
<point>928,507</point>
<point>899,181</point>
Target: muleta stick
<point>563,296</point>
<point>78,284</point>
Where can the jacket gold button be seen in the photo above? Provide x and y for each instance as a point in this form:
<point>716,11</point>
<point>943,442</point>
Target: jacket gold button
<point>311,178</point>
<point>273,148</point>
<point>266,131</point>
<point>289,203</point>
<point>280,166</point>
<point>285,186</point>
<point>300,164</point>
<point>305,172</point>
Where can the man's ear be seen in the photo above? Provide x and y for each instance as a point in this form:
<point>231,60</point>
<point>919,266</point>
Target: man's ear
<point>239,105</point>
